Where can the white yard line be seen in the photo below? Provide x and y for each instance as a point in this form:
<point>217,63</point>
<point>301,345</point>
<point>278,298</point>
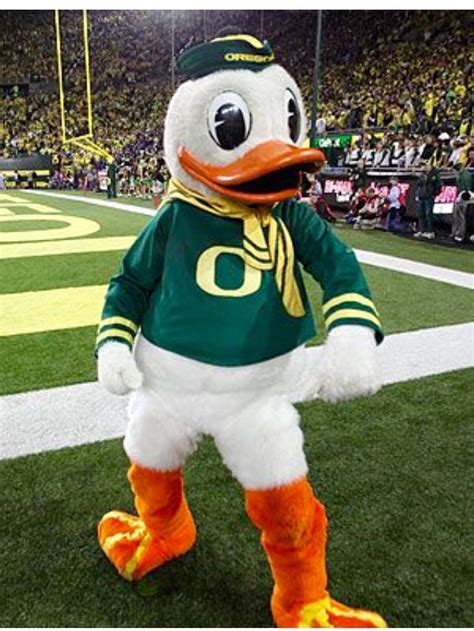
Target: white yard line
<point>406,266</point>
<point>51,419</point>
<point>131,208</point>
<point>395,263</point>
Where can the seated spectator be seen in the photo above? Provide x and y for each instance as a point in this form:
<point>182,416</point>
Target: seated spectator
<point>397,151</point>
<point>368,154</point>
<point>368,214</point>
<point>427,149</point>
<point>317,200</point>
<point>321,126</point>
<point>410,152</point>
<point>353,154</point>
<point>381,155</point>
<point>357,201</point>
<point>440,156</point>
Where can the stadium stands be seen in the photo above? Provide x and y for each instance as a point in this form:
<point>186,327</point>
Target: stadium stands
<point>407,74</point>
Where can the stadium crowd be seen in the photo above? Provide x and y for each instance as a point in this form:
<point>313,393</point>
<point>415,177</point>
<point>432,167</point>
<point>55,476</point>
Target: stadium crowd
<point>404,77</point>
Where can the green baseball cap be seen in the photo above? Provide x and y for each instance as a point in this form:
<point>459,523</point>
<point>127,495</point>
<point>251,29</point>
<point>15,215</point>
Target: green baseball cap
<point>232,52</point>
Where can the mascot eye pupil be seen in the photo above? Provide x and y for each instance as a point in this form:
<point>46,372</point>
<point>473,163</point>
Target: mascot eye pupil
<point>229,121</point>
<point>229,126</point>
<point>293,116</point>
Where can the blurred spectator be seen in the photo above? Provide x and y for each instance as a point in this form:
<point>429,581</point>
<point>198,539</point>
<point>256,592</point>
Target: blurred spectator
<point>394,205</point>
<point>458,227</point>
<point>359,175</point>
<point>428,187</point>
<point>464,179</point>
<point>368,214</point>
<point>317,201</point>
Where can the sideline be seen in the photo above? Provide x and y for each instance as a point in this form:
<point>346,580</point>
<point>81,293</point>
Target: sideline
<point>385,261</point>
<point>406,266</point>
<point>39,421</point>
<point>131,208</point>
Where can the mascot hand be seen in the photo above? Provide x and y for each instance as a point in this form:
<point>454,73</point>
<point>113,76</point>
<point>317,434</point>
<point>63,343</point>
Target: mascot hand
<point>117,370</point>
<point>348,368</point>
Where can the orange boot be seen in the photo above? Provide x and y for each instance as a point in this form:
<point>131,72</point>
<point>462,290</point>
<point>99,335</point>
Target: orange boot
<point>293,525</point>
<point>164,530</point>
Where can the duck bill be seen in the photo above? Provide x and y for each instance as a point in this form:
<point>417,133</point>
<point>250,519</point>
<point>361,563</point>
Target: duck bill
<point>268,173</point>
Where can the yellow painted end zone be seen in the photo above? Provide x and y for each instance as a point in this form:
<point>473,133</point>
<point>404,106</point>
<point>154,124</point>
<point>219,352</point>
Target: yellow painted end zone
<point>51,309</point>
<point>71,246</point>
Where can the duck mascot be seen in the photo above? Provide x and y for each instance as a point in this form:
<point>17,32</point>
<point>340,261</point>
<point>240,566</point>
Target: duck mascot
<point>206,324</point>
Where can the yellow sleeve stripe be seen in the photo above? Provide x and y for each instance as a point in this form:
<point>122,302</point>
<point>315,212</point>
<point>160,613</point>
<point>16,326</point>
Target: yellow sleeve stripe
<point>362,300</point>
<point>119,320</point>
<point>115,333</point>
<point>352,313</point>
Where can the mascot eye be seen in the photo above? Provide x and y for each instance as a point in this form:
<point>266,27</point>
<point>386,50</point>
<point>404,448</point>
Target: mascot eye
<point>229,120</point>
<point>292,115</point>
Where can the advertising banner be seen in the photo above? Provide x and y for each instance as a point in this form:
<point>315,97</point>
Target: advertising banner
<point>339,188</point>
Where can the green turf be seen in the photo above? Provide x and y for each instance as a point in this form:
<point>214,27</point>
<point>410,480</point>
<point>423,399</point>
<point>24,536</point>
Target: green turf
<point>113,222</point>
<point>54,272</point>
<point>22,226</point>
<point>372,240</point>
<point>405,302</point>
<point>395,473</point>
<point>65,357</point>
<point>386,243</point>
<point>45,360</point>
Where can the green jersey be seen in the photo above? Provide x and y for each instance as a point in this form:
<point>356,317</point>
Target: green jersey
<point>186,283</point>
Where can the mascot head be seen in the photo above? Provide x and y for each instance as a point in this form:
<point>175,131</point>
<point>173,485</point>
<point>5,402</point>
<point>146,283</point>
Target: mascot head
<point>236,127</point>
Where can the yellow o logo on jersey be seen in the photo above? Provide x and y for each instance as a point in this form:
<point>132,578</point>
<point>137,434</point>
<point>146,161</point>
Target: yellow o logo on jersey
<point>206,273</point>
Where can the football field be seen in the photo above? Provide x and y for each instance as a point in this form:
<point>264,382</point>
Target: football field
<point>394,470</point>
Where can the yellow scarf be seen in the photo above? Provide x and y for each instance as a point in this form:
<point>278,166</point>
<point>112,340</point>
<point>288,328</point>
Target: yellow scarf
<point>276,253</point>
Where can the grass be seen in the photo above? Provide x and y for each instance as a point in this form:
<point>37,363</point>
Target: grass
<point>57,358</point>
<point>386,243</point>
<point>54,272</point>
<point>65,357</point>
<point>393,471</point>
<point>375,241</point>
<point>112,222</point>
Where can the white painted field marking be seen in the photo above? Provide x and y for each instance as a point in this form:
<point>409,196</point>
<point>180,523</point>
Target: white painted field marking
<point>405,266</point>
<point>131,208</point>
<point>51,419</point>
<point>395,263</point>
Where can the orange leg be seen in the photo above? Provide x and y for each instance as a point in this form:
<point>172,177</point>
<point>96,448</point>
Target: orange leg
<point>164,529</point>
<point>293,525</point>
